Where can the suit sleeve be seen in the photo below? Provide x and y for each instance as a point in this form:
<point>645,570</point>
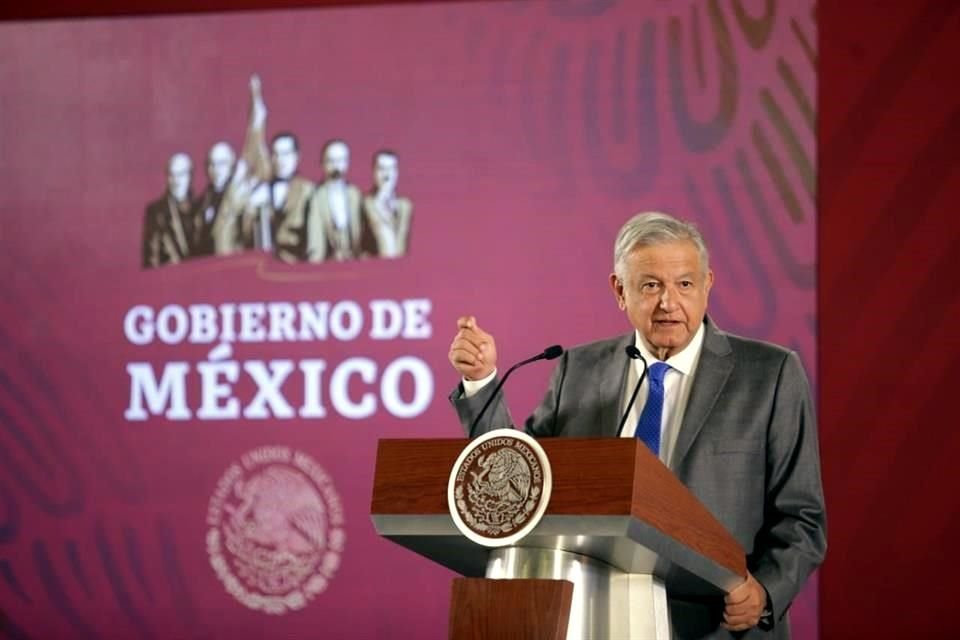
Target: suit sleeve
<point>227,229</point>
<point>150,247</point>
<point>406,221</point>
<point>368,237</point>
<point>792,541</point>
<point>255,153</point>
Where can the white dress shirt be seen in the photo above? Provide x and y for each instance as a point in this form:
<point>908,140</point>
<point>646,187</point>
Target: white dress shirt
<point>676,391</point>
<point>280,190</point>
<point>337,198</point>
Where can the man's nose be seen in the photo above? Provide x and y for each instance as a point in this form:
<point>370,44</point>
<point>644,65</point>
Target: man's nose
<point>668,299</point>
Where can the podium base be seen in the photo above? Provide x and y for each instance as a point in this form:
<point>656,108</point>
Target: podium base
<point>607,602</point>
<point>482,609</point>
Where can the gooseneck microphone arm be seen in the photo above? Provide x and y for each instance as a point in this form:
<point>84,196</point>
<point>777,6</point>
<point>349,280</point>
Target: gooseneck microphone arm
<point>547,354</point>
<point>633,353</point>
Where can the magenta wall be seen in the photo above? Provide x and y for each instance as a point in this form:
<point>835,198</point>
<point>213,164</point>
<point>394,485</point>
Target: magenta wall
<point>527,133</point>
<point>890,184</point>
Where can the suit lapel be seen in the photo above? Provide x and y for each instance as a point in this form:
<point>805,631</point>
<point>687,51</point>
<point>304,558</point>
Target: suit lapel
<point>353,202</point>
<point>323,200</point>
<point>611,383</point>
<point>296,197</point>
<point>713,371</point>
<point>180,236</point>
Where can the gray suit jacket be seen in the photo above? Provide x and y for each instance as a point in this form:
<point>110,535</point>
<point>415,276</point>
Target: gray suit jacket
<point>747,448</point>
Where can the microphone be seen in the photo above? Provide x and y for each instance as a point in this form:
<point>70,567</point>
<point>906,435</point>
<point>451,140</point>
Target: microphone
<point>549,353</point>
<point>633,353</point>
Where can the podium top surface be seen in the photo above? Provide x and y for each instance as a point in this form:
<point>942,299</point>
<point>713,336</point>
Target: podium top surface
<point>612,500</point>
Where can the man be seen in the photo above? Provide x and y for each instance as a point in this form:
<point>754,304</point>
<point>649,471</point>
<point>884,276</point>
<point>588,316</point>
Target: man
<point>168,223</point>
<point>386,214</point>
<point>209,207</point>
<point>736,426</point>
<point>334,224</point>
<point>275,219</point>
<point>288,200</point>
<point>278,224</point>
<point>225,214</point>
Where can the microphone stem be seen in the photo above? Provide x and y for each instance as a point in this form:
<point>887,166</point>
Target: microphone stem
<point>549,353</point>
<point>633,396</point>
<point>499,386</point>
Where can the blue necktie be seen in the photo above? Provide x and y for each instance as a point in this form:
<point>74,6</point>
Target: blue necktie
<point>648,427</point>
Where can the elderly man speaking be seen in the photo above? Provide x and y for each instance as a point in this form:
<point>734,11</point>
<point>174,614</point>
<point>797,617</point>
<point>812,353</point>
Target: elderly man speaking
<point>731,417</point>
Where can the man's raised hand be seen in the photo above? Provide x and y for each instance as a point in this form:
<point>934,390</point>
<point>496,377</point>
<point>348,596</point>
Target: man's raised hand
<point>473,352</point>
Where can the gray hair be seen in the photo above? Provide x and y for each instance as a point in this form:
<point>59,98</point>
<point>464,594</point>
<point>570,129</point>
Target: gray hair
<point>651,228</point>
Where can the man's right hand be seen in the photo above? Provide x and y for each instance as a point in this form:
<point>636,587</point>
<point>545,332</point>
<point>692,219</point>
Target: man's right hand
<point>258,108</point>
<point>473,352</point>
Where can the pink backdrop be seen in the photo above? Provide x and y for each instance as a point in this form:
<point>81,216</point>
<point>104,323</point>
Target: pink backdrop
<point>527,133</point>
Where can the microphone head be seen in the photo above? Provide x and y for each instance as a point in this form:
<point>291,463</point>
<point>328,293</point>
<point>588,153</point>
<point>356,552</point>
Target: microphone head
<point>553,352</point>
<point>632,352</point>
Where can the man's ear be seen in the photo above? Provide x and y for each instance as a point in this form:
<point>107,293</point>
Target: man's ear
<point>617,286</point>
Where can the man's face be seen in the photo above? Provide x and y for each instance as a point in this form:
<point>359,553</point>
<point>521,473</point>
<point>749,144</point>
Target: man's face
<point>219,165</point>
<point>284,158</point>
<point>664,294</point>
<point>178,177</point>
<point>336,160</point>
<point>386,172</point>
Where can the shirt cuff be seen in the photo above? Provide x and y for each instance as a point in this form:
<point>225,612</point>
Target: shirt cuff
<point>472,387</point>
<point>766,616</point>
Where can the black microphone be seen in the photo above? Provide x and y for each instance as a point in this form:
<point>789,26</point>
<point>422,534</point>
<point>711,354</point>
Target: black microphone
<point>548,354</point>
<point>633,353</point>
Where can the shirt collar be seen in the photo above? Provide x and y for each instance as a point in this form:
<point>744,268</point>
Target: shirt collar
<point>683,361</point>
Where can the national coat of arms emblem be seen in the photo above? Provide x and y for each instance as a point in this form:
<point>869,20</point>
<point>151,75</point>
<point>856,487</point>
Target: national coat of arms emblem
<point>499,487</point>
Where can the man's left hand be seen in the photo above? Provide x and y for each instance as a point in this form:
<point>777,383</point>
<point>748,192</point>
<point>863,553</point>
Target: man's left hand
<point>744,605</point>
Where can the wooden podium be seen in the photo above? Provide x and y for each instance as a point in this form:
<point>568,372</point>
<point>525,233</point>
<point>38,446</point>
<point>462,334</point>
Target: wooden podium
<point>620,529</point>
